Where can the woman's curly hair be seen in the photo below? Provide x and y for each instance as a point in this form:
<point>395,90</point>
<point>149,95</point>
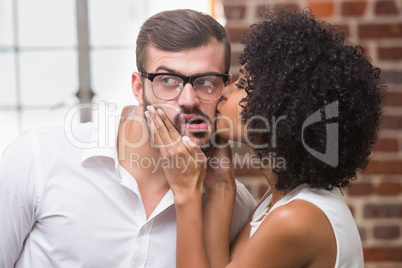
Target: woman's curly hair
<point>296,66</point>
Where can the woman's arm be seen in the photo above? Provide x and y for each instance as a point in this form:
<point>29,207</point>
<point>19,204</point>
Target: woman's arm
<point>218,210</point>
<point>191,248</point>
<point>186,180</point>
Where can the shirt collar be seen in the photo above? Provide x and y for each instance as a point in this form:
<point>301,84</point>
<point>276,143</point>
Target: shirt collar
<point>103,142</point>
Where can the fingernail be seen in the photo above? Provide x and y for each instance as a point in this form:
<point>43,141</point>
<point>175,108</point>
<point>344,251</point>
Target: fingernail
<point>160,112</point>
<point>146,114</point>
<point>185,138</point>
<point>150,108</point>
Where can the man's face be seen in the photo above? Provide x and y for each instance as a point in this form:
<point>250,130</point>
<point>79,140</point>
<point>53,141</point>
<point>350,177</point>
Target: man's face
<point>192,116</point>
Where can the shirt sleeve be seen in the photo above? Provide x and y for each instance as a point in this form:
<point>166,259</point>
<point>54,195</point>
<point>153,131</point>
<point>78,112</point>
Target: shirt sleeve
<point>17,198</point>
<point>244,207</point>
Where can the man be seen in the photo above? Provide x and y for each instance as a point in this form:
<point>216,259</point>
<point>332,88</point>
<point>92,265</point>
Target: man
<point>63,205</point>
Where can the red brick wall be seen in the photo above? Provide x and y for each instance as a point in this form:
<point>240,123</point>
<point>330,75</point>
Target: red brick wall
<point>375,198</point>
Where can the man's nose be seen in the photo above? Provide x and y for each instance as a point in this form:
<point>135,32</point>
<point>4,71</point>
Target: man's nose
<point>187,97</point>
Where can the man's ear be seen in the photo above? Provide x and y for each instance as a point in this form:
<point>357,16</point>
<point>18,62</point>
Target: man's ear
<point>136,85</point>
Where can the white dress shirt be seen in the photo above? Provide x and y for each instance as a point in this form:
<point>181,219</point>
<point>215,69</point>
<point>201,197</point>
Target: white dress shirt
<point>63,204</point>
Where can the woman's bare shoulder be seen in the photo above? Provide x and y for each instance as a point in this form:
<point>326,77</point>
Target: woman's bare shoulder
<point>294,235</point>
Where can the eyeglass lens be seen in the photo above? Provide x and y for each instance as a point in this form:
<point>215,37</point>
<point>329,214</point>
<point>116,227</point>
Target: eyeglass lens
<point>207,87</point>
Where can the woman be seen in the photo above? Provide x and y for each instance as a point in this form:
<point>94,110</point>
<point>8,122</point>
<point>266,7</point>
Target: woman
<point>322,98</point>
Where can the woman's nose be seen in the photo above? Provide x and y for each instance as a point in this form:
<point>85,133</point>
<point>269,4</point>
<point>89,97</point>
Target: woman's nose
<point>227,90</point>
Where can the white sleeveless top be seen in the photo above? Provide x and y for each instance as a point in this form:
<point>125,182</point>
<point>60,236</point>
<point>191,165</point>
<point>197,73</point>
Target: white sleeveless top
<point>332,204</point>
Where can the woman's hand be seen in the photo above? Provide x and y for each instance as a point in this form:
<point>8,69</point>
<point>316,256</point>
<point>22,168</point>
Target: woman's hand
<point>184,160</point>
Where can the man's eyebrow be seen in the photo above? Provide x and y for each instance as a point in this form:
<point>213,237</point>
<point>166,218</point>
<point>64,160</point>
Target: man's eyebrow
<point>165,69</point>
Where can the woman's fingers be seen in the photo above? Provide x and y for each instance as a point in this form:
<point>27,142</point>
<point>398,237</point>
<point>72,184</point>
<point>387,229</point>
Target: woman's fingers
<point>156,140</point>
<point>169,136</point>
<point>167,133</point>
<point>191,146</point>
<point>185,171</point>
<point>195,151</point>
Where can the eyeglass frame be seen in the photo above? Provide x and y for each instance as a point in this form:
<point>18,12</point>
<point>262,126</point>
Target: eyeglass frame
<point>186,79</point>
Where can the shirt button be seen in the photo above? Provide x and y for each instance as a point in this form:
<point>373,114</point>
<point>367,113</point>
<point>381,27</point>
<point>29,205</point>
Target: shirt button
<point>141,232</point>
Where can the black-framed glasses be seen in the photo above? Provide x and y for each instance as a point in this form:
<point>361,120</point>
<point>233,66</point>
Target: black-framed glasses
<point>168,86</point>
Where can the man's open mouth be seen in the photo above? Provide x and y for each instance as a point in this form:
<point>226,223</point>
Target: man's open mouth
<point>195,122</point>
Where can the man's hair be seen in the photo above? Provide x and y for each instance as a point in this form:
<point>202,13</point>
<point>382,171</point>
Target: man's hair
<point>179,30</point>
<point>296,65</point>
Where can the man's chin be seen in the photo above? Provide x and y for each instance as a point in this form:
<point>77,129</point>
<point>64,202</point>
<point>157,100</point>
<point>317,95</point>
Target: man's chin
<point>203,139</point>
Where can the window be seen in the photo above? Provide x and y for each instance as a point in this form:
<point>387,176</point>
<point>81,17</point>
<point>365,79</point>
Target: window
<point>48,53</point>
